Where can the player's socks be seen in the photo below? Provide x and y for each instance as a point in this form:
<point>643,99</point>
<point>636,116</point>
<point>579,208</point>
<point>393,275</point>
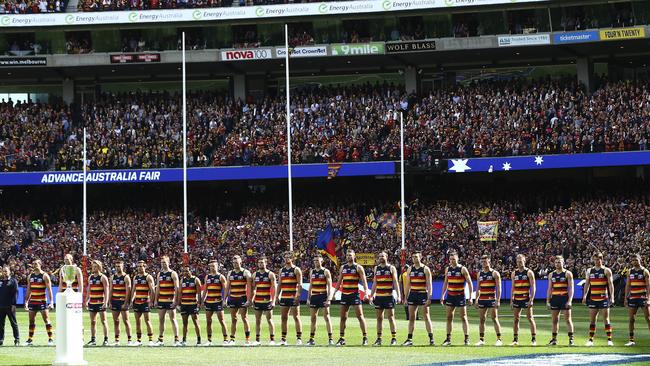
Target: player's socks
<point>198,340</point>
<point>631,336</point>
<point>481,336</point>
<point>515,337</point>
<point>592,331</point>
<point>499,336</point>
<point>533,338</point>
<point>175,338</point>
<point>378,334</point>
<point>138,336</point>
<point>466,337</point>
<point>570,336</point>
<point>430,337</point>
<point>393,335</point>
<point>32,328</point>
<point>160,338</point>
<point>409,336</point>
<point>608,331</point>
<point>248,335</point>
<point>311,336</point>
<point>184,339</point>
<point>329,336</point>
<point>117,339</point>
<point>257,337</point>
<point>298,335</point>
<point>150,335</point>
<point>48,328</point>
<point>128,338</point>
<point>272,337</point>
<point>554,336</point>
<point>284,336</point>
<point>105,339</point>
<point>232,337</point>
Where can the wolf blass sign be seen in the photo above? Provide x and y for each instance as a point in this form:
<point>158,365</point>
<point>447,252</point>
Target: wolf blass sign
<point>410,46</point>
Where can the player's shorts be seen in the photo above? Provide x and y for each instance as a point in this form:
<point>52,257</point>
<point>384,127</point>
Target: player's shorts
<point>116,305</point>
<point>457,301</point>
<point>36,307</point>
<point>215,306</point>
<point>141,308</point>
<point>236,302</point>
<point>417,298</point>
<point>559,302</point>
<point>263,306</point>
<point>384,302</point>
<point>165,306</point>
<point>318,301</point>
<point>189,309</point>
<point>351,299</point>
<point>520,304</point>
<point>96,308</point>
<point>289,302</point>
<point>487,304</point>
<point>597,304</point>
<point>637,303</point>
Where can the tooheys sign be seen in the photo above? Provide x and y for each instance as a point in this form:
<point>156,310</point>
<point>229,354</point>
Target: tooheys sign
<point>250,54</point>
<point>411,46</point>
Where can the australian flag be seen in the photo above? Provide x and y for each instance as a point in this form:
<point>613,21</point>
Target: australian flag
<point>325,243</point>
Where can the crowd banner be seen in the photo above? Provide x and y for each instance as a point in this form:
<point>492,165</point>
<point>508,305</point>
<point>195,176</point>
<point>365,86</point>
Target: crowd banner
<point>488,230</point>
<point>236,13</point>
<point>366,259</point>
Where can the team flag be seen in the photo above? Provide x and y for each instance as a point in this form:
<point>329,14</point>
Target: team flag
<point>325,243</point>
<point>488,230</point>
<point>371,222</point>
<point>333,170</point>
<point>388,220</point>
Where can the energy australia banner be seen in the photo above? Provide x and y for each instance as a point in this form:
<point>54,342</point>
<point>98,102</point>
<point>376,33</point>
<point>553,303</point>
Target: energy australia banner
<point>195,174</point>
<point>233,13</point>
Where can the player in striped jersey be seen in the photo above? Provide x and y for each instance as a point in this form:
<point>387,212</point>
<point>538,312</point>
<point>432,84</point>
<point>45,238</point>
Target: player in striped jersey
<point>263,302</point>
<point>319,297</point>
<point>384,283</point>
<point>348,283</point>
<point>288,296</point>
<point>559,298</point>
<point>120,295</point>
<point>522,297</point>
<point>636,294</point>
<point>239,281</point>
<point>78,284</point>
<point>488,297</point>
<point>97,301</point>
<point>142,292</point>
<point>166,300</point>
<point>418,295</point>
<point>598,290</point>
<point>190,302</point>
<point>456,278</point>
<point>39,289</point>
<point>215,282</point>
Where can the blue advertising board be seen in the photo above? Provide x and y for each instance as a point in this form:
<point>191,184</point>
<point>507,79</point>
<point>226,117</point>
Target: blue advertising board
<point>576,37</point>
<point>539,162</point>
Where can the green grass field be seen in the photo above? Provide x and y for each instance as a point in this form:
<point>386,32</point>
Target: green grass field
<point>353,354</point>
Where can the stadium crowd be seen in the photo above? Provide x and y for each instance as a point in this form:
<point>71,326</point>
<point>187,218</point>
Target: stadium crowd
<point>612,224</point>
<point>330,124</point>
<point>32,7</point>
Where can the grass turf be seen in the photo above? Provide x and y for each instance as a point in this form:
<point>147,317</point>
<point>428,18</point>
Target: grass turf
<point>353,354</point>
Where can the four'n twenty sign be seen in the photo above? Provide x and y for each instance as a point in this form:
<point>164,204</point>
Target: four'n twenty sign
<point>410,46</point>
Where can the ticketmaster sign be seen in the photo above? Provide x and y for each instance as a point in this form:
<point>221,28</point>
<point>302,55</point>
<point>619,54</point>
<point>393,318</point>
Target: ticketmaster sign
<point>356,49</point>
<point>234,13</point>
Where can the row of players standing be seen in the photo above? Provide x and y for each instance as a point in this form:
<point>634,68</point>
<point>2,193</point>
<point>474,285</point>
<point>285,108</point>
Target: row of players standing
<point>244,289</point>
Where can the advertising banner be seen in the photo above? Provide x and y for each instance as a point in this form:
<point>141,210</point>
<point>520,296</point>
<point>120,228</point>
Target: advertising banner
<point>247,54</point>
<point>305,51</point>
<point>622,33</point>
<point>410,46</point>
<point>356,49</point>
<point>524,40</point>
<point>576,37</point>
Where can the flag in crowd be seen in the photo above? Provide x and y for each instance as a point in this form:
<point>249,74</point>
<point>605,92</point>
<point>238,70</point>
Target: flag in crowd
<point>488,230</point>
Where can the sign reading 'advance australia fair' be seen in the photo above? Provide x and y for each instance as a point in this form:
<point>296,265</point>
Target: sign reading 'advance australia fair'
<point>410,46</point>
